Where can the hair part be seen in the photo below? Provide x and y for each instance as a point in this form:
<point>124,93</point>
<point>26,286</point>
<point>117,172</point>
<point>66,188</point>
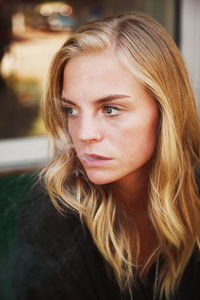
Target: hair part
<point>147,51</point>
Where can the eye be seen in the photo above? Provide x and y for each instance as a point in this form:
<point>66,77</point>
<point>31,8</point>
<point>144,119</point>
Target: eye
<point>111,110</point>
<point>71,111</point>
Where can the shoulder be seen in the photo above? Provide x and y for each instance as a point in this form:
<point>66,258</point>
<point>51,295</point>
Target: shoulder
<point>50,244</point>
<point>189,285</point>
<point>42,225</point>
<point>60,260</point>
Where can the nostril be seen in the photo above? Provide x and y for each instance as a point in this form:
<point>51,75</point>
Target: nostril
<point>89,134</point>
<point>88,138</point>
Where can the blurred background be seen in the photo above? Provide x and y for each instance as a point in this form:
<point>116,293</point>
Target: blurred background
<point>32,30</point>
<point>30,33</point>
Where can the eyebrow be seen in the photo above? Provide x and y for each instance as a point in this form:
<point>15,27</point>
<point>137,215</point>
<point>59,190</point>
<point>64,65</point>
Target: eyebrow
<point>101,100</point>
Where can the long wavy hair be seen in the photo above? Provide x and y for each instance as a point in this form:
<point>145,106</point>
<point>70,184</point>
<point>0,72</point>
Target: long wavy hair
<point>149,53</point>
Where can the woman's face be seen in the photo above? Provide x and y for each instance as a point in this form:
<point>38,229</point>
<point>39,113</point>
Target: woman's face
<point>112,120</point>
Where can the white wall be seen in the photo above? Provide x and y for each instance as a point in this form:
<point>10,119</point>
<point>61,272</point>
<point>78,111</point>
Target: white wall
<point>190,41</point>
<point>21,154</point>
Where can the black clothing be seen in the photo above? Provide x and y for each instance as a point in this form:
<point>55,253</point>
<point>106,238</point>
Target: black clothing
<point>57,260</point>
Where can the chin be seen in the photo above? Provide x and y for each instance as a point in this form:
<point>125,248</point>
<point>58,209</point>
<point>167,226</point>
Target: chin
<point>98,181</point>
<point>100,178</point>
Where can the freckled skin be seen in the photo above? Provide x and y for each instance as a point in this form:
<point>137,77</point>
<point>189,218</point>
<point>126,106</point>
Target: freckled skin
<point>128,136</point>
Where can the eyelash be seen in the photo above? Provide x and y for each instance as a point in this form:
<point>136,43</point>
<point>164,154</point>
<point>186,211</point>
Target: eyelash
<point>66,109</point>
<point>112,107</point>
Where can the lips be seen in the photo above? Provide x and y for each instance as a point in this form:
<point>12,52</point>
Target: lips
<point>94,160</point>
<point>95,156</point>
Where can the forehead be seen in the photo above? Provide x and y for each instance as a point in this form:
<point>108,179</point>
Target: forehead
<point>95,75</point>
<point>98,64</point>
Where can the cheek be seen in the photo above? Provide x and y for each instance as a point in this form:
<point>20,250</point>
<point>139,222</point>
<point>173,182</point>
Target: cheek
<point>147,137</point>
<point>138,138</point>
<point>73,138</point>
<point>72,132</point>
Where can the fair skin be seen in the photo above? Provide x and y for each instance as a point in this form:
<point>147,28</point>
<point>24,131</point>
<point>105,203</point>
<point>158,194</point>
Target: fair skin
<point>113,123</point>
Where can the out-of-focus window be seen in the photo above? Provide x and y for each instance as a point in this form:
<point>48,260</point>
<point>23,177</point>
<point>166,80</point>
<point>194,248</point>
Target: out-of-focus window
<point>30,33</point>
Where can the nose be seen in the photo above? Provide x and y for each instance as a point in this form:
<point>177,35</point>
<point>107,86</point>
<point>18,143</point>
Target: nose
<point>89,130</point>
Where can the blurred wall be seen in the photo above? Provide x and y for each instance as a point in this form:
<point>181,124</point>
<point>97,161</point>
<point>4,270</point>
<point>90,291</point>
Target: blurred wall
<point>163,10</point>
<point>190,41</point>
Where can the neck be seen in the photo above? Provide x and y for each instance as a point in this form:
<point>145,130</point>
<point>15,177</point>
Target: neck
<point>131,193</point>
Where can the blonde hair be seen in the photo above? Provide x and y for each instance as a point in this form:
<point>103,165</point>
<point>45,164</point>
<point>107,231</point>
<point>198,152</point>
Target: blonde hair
<point>146,49</point>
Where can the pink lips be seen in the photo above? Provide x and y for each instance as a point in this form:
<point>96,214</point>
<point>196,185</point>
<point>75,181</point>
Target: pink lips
<point>94,160</point>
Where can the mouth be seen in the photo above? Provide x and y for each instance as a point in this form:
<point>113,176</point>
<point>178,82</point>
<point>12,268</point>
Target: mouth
<point>94,160</point>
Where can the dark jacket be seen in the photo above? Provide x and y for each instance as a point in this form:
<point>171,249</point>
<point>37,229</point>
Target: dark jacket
<point>57,260</point>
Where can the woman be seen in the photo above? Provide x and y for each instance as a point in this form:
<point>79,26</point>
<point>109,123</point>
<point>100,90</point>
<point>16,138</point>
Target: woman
<point>123,124</point>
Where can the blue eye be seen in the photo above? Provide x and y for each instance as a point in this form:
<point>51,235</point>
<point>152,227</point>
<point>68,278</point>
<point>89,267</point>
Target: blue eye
<point>110,110</point>
<point>71,111</point>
